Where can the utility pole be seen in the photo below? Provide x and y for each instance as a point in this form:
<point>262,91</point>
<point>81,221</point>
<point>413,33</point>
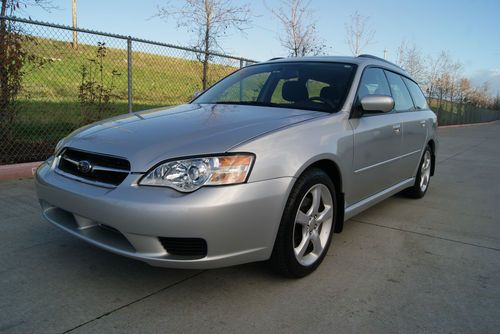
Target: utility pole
<point>75,37</point>
<point>385,53</point>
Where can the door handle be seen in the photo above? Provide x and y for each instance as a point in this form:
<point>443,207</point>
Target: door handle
<point>422,123</point>
<point>397,128</point>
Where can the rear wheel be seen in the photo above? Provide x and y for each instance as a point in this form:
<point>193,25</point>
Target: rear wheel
<point>423,178</point>
<point>307,225</point>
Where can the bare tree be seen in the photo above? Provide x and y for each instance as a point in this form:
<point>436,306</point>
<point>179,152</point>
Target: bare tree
<point>11,6</point>
<point>443,79</point>
<point>210,20</point>
<point>464,88</point>
<point>410,58</point>
<point>454,71</point>
<point>435,70</point>
<point>299,37</point>
<point>73,17</point>
<point>496,103</point>
<point>13,58</point>
<point>480,97</point>
<point>359,33</point>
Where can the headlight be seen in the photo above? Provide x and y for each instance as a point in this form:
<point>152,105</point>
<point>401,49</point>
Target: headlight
<point>188,175</point>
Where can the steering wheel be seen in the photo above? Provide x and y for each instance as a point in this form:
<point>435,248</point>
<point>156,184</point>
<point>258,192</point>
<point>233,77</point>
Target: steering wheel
<point>323,100</point>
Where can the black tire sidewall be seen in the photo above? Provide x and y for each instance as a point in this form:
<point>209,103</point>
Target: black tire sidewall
<point>301,187</point>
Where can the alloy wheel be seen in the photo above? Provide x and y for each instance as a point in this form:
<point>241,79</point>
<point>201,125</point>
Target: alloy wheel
<point>425,171</point>
<point>313,224</point>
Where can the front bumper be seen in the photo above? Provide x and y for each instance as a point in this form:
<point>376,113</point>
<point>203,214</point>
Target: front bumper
<point>239,222</point>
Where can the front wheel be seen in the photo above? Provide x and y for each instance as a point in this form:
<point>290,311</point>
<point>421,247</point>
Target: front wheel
<point>423,178</point>
<point>307,225</point>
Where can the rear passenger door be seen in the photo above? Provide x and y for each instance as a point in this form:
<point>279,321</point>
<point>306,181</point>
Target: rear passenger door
<point>415,124</point>
<point>377,142</point>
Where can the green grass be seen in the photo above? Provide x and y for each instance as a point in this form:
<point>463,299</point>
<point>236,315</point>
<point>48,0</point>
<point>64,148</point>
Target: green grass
<point>157,79</point>
<point>48,106</point>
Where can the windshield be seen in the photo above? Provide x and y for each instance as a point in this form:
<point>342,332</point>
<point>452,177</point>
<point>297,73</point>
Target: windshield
<point>299,85</point>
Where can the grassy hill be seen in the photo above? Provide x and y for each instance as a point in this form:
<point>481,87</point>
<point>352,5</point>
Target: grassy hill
<point>48,107</point>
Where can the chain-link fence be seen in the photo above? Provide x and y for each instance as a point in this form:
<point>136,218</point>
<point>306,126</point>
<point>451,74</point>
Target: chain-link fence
<point>455,113</point>
<point>51,85</point>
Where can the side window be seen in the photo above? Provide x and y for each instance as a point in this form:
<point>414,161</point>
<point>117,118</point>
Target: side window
<point>400,94</point>
<point>416,94</point>
<point>373,82</point>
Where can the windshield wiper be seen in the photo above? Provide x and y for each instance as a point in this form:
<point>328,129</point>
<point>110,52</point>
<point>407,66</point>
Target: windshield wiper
<point>248,103</point>
<point>276,105</point>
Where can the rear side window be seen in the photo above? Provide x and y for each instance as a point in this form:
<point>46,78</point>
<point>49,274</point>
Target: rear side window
<point>400,94</point>
<point>373,82</point>
<point>416,94</point>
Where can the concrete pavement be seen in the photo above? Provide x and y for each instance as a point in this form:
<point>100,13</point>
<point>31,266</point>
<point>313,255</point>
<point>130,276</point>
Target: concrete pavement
<point>426,266</point>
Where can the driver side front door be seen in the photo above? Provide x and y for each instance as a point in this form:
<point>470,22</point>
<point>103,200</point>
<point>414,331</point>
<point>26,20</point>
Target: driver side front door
<point>377,142</point>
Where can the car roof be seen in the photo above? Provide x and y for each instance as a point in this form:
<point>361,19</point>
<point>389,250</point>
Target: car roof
<point>364,59</point>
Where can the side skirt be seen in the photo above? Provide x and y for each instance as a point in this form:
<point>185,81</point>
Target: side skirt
<point>362,205</point>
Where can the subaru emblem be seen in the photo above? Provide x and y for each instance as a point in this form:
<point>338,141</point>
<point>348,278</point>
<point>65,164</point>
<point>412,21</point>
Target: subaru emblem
<point>84,167</point>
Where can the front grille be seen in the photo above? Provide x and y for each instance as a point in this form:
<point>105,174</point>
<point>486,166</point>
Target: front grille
<point>97,168</point>
<point>185,246</point>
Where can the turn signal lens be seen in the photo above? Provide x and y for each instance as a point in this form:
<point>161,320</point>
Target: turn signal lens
<point>231,169</point>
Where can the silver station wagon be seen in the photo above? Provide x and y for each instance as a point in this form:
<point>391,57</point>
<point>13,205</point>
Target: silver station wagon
<point>266,165</point>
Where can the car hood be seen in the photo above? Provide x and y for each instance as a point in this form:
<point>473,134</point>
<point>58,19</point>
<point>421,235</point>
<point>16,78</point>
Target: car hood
<point>149,137</point>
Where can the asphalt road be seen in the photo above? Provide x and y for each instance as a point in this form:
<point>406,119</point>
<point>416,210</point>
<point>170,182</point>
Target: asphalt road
<point>426,266</point>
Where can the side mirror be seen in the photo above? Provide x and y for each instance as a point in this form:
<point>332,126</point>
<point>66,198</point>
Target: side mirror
<point>377,103</point>
<point>196,94</point>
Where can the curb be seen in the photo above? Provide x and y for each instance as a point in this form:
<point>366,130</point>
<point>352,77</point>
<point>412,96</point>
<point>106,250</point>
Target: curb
<point>18,171</point>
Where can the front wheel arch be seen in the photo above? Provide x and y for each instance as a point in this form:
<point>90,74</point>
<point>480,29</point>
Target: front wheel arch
<point>332,169</point>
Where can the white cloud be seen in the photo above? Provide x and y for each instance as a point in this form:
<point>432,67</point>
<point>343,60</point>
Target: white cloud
<point>492,76</point>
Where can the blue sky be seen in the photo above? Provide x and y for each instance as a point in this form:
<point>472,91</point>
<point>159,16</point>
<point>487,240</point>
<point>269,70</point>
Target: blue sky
<point>468,30</point>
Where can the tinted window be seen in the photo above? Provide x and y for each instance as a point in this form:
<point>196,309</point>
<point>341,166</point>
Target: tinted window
<point>400,94</point>
<point>416,94</point>
<point>247,89</point>
<point>373,82</point>
<point>314,89</point>
<point>301,85</point>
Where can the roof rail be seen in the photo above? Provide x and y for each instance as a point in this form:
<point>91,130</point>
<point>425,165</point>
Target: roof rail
<point>380,59</point>
<point>276,58</point>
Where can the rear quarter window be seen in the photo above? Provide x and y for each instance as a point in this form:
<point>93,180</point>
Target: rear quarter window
<point>416,94</point>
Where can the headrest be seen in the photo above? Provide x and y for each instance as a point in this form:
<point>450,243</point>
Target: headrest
<point>294,91</point>
<point>329,93</point>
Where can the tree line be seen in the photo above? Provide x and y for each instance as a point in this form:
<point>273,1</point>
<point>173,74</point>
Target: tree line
<point>209,20</point>
<point>443,80</point>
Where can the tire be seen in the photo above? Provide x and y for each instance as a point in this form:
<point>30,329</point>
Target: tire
<point>423,178</point>
<point>307,225</point>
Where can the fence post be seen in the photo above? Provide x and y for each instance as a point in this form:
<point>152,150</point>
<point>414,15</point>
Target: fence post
<point>129,73</point>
